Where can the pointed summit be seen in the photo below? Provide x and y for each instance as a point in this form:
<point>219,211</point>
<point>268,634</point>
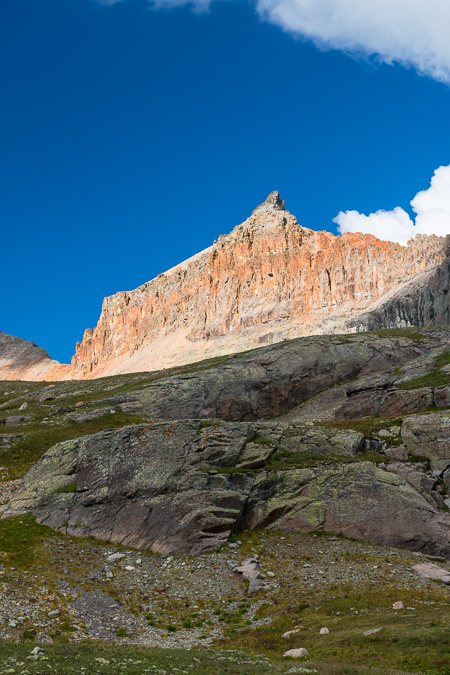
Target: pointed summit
<point>272,203</point>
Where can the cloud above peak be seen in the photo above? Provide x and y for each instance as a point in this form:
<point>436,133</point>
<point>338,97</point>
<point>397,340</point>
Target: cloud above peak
<point>431,206</point>
<point>411,33</point>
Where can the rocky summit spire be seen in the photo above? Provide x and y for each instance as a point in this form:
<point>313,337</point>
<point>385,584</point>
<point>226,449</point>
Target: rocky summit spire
<point>272,203</point>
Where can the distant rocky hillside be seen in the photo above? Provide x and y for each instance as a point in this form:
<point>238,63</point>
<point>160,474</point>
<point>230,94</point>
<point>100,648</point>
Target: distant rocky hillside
<point>23,360</point>
<point>269,280</point>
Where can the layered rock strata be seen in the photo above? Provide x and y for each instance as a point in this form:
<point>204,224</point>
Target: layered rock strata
<point>269,280</point>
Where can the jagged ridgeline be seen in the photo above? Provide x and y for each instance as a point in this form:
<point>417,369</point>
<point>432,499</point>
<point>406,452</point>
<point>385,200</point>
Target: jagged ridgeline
<point>343,434</point>
<point>269,280</point>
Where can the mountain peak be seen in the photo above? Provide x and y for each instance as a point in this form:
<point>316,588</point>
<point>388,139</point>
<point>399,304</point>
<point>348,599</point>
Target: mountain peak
<point>271,203</point>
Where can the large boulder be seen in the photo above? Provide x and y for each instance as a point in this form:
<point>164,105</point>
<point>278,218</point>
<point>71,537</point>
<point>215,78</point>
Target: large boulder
<point>357,500</point>
<point>429,436</point>
<point>183,487</point>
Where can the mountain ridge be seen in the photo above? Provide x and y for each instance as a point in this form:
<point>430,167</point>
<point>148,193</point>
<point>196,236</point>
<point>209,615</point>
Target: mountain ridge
<point>268,280</point>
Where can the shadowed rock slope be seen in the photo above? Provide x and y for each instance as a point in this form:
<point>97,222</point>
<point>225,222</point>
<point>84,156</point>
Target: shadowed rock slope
<point>24,360</point>
<point>360,446</point>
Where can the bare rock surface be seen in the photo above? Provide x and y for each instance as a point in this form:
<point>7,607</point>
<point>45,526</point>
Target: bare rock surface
<point>173,487</point>
<point>431,571</point>
<point>264,283</point>
<point>24,360</point>
<point>270,381</point>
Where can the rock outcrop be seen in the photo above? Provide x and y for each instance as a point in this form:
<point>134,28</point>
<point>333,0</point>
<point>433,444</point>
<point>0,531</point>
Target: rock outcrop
<point>269,280</point>
<point>269,381</point>
<point>24,360</point>
<point>183,487</point>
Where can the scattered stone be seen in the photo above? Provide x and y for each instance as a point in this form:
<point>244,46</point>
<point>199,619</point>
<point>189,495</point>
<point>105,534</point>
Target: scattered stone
<point>398,605</point>
<point>324,631</point>
<point>45,395</point>
<point>291,632</point>
<point>431,571</point>
<point>115,556</point>
<point>373,631</point>
<point>54,613</point>
<point>37,654</point>
<point>43,638</point>
<point>79,404</point>
<point>24,406</point>
<point>299,653</point>
<point>255,586</point>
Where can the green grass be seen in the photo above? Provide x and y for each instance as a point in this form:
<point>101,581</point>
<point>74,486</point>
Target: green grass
<point>435,378</point>
<point>39,438</point>
<point>369,426</point>
<point>68,659</point>
<point>72,488</point>
<point>283,460</point>
<point>20,538</point>
<point>260,440</point>
<point>409,641</point>
<point>409,333</point>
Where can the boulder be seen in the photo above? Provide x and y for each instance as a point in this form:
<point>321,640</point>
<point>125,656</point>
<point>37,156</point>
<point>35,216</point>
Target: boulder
<point>168,487</point>
<point>14,420</point>
<point>47,394</point>
<point>358,500</point>
<point>296,653</point>
<point>431,571</point>
<point>429,436</point>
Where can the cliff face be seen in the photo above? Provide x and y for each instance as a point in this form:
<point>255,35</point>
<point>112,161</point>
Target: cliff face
<point>268,280</point>
<point>23,360</point>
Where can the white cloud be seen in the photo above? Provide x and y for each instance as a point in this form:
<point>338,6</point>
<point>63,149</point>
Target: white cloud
<point>432,209</point>
<point>413,33</point>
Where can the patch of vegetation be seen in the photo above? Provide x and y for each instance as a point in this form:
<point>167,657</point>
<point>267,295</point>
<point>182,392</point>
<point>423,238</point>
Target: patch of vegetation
<point>419,459</point>
<point>368,427</point>
<point>409,333</point>
<point>283,460</point>
<point>436,378</point>
<point>348,611</point>
<point>39,438</point>
<point>209,423</point>
<point>260,440</point>
<point>19,539</point>
<point>67,489</point>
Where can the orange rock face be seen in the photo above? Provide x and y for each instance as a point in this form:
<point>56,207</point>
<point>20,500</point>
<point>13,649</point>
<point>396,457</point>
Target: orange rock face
<point>270,279</point>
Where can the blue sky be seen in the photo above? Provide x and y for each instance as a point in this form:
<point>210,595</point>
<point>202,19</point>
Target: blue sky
<point>131,137</point>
